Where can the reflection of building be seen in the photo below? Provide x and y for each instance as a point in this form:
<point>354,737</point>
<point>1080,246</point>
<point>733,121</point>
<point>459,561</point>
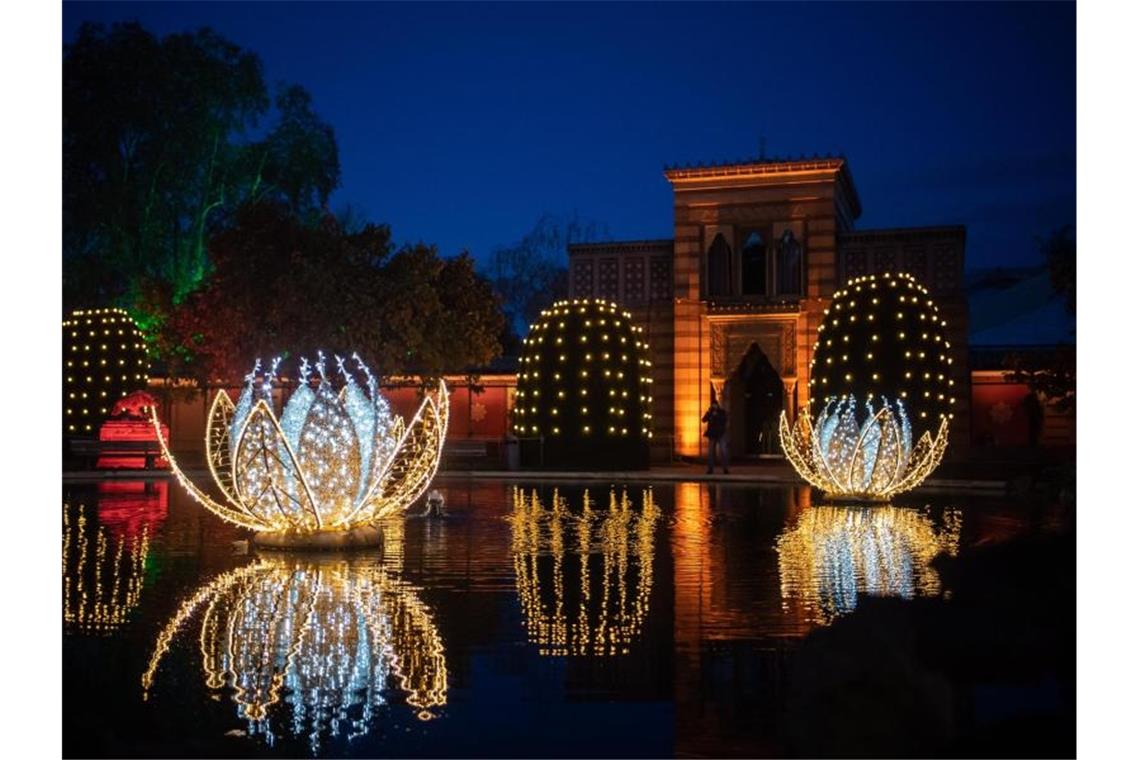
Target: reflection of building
<point>327,641</point>
<point>103,571</point>
<point>584,578</point>
<point>833,554</point>
<point>734,300</point>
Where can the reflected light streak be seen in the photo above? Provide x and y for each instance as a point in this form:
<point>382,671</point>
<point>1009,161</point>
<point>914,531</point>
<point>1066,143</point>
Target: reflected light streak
<point>103,574</point>
<point>328,641</point>
<point>599,549</point>
<point>833,554</point>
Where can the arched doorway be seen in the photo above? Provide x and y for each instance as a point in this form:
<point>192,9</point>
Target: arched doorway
<point>754,397</point>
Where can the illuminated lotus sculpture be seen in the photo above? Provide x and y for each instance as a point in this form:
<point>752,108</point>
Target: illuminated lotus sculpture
<point>333,464</point>
<point>881,375</point>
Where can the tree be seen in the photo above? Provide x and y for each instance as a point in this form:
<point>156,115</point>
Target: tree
<point>158,155</point>
<point>281,287</point>
<point>1054,377</point>
<point>531,274</point>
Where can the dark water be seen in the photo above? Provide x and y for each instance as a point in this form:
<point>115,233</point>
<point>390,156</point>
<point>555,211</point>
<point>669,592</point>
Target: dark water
<point>649,622</point>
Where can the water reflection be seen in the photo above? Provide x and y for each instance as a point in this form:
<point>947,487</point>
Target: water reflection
<point>584,578</point>
<point>830,554</point>
<point>327,640</point>
<point>104,571</point>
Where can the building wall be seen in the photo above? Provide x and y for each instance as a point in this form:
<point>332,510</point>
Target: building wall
<point>999,417</point>
<point>699,338</point>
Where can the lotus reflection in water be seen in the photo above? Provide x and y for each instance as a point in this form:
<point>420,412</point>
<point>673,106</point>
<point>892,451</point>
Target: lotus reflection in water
<point>335,461</point>
<point>604,611</point>
<point>833,554</point>
<point>327,642</point>
<point>103,574</point>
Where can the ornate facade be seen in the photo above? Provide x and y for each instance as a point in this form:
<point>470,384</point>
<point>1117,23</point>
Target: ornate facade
<point>732,302</point>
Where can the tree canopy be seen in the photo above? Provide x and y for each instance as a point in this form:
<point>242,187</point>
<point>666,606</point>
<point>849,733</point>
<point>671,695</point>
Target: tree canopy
<point>161,146</point>
<point>281,287</point>
<point>530,274</point>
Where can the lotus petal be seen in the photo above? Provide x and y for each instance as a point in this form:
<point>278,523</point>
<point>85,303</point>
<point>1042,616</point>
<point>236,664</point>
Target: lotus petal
<point>242,518</point>
<point>416,460</point>
<point>219,456</point>
<point>362,413</point>
<point>330,455</point>
<point>266,475</point>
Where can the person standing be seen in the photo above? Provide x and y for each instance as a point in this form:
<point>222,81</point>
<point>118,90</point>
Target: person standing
<point>716,421</point>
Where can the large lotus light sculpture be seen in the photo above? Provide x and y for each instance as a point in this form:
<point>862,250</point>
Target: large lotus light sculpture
<point>872,460</point>
<point>330,467</point>
<point>881,376</point>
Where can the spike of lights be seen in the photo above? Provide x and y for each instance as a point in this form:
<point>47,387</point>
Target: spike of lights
<point>104,359</point>
<point>332,462</point>
<point>584,385</point>
<point>872,403</point>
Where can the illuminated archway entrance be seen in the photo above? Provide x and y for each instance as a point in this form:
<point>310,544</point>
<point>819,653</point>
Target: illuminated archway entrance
<point>754,397</point>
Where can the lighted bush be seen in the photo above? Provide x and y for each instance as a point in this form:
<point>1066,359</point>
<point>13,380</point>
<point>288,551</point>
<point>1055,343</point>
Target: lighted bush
<point>104,359</point>
<point>584,387</point>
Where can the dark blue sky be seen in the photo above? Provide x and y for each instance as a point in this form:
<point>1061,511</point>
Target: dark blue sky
<point>461,124</point>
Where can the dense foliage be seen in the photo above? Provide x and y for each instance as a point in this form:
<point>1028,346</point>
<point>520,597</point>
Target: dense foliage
<point>162,142</point>
<point>280,287</point>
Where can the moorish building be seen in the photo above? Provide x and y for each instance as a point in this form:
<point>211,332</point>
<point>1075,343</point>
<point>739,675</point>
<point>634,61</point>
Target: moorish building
<point>732,303</point>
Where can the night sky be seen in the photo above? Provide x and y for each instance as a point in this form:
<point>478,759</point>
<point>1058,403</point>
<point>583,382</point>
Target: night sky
<point>461,124</point>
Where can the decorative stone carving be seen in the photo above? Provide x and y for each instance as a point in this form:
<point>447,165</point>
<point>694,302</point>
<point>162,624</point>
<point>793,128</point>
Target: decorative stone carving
<point>730,341</point>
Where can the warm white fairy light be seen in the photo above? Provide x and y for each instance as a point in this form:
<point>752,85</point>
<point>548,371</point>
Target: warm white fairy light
<point>610,611</point>
<point>335,460</point>
<point>324,641</point>
<point>833,554</point>
<point>104,359</point>
<point>103,575</point>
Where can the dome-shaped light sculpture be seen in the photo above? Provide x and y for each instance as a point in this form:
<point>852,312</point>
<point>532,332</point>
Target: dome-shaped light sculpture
<point>104,358</point>
<point>880,377</point>
<point>584,386</point>
<point>328,469</point>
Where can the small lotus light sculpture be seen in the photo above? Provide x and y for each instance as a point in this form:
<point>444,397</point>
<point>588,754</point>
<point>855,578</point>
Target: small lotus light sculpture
<point>334,462</point>
<point>870,460</point>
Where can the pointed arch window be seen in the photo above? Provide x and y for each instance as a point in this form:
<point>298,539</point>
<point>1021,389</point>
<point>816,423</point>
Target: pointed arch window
<point>719,267</point>
<point>789,265</point>
<point>754,264</point>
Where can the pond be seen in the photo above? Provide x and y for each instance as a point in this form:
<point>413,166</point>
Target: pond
<point>531,619</point>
